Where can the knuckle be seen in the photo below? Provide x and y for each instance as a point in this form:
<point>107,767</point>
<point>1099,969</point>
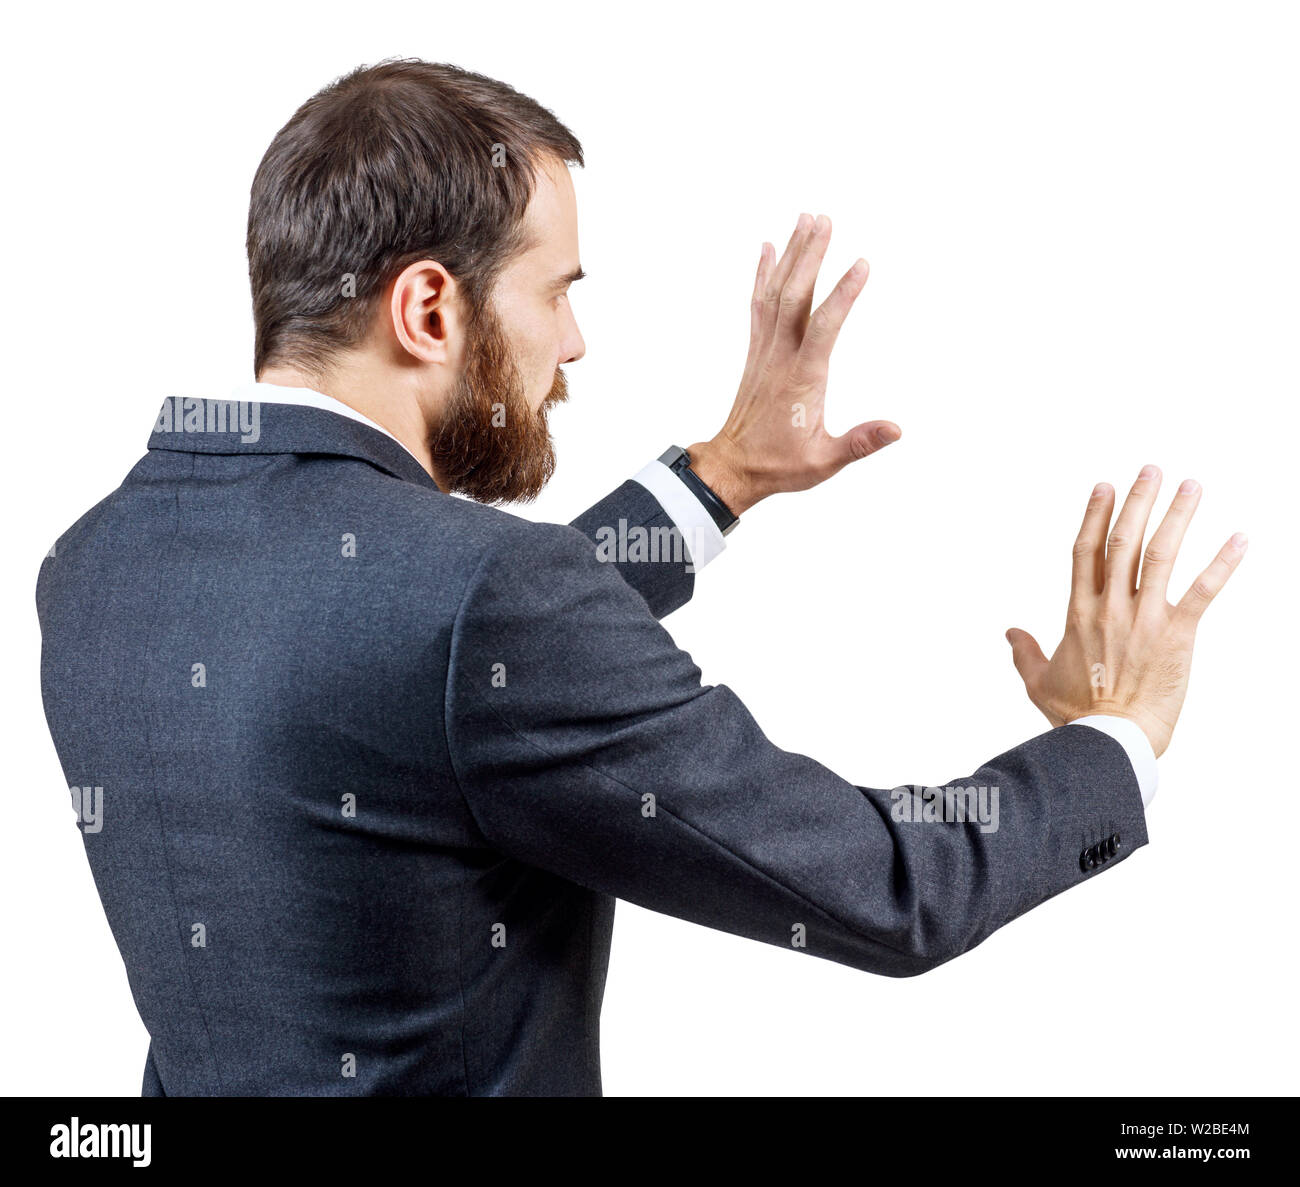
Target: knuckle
<point>1118,539</point>
<point>1084,547</point>
<point>860,447</point>
<point>1110,613</point>
<point>817,341</point>
<point>1202,590</point>
<point>802,379</point>
<point>1151,604</point>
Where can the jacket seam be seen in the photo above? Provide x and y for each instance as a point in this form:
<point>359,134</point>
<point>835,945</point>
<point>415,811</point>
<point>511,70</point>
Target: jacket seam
<point>451,763</point>
<point>162,830</point>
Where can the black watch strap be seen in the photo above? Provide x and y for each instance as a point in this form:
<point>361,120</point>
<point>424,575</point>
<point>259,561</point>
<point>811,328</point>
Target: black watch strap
<point>679,462</point>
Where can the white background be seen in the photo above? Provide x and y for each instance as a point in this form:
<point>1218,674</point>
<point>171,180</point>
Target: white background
<point>1081,223</point>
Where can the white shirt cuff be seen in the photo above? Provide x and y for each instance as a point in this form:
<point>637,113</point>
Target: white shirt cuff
<point>1136,745</point>
<point>701,536</point>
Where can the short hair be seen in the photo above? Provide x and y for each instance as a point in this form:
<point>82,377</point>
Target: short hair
<point>393,163</point>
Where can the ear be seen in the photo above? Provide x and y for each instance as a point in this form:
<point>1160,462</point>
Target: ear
<point>423,311</point>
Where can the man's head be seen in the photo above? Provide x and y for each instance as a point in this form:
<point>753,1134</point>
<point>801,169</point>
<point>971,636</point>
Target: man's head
<point>415,223</point>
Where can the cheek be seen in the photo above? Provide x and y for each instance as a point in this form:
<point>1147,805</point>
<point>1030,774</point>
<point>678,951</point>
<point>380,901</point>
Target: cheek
<point>537,361</point>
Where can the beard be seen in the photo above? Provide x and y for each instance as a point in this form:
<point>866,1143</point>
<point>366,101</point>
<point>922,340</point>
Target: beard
<point>490,445</point>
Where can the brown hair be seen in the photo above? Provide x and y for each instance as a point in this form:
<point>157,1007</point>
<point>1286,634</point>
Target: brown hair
<point>393,163</point>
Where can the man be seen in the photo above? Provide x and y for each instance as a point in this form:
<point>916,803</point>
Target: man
<point>362,767</point>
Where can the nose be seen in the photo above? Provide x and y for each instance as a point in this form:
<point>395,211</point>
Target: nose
<point>572,347</point>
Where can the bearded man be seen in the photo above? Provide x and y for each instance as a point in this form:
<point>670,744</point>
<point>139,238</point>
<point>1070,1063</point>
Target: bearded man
<point>370,763</point>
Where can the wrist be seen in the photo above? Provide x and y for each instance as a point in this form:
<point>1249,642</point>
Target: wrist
<point>718,466</point>
<point>1155,736</point>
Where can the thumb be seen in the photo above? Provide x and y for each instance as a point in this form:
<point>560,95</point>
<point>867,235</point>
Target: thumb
<point>1026,654</point>
<point>864,439</point>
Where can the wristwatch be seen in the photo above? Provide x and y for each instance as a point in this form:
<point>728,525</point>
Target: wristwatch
<point>679,462</point>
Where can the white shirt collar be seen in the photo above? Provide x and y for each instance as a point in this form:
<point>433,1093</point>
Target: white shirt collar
<point>274,393</point>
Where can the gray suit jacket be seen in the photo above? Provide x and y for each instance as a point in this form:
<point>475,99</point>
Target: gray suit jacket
<point>376,763</point>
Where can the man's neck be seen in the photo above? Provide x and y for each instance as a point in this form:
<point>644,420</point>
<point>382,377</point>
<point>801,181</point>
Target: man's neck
<point>386,404</point>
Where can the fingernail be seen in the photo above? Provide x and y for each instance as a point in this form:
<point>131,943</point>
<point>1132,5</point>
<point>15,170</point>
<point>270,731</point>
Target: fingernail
<point>1189,487</point>
<point>1240,541</point>
<point>1148,472</point>
<point>1100,489</point>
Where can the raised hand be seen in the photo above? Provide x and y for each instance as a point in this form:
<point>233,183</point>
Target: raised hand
<point>1127,651</point>
<point>775,438</point>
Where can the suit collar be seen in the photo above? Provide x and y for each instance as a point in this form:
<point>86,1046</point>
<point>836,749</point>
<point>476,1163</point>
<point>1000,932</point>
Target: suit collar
<point>190,425</point>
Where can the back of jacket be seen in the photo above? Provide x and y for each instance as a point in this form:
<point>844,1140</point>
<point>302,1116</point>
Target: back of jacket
<point>248,654</point>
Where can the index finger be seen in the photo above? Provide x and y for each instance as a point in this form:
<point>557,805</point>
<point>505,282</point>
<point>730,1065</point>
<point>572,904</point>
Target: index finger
<point>1213,579</point>
<point>824,326</point>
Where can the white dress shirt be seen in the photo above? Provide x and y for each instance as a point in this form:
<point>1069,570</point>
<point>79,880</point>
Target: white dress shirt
<point>704,541</point>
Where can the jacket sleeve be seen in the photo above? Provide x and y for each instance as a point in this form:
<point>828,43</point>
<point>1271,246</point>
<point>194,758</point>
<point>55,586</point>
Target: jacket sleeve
<point>642,543</point>
<point>585,745</point>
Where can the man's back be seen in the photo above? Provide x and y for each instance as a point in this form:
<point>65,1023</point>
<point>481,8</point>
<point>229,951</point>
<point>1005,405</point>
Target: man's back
<point>248,653</point>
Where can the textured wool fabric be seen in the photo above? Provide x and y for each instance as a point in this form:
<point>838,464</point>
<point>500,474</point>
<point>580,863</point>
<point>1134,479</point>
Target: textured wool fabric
<point>377,761</point>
